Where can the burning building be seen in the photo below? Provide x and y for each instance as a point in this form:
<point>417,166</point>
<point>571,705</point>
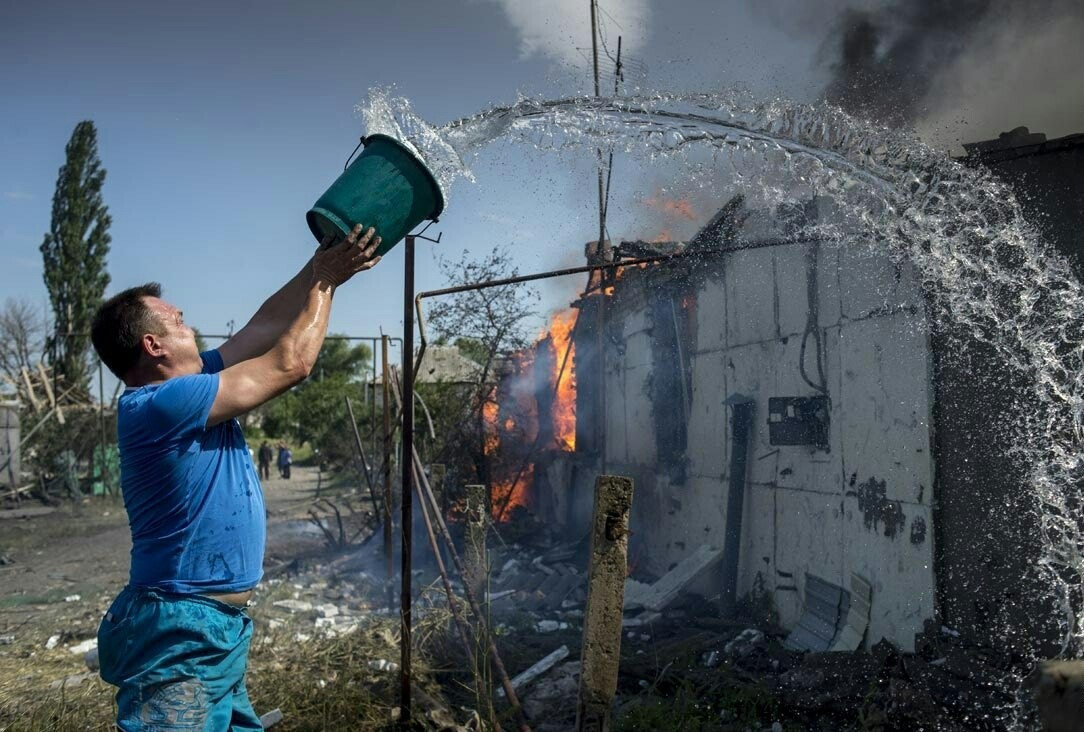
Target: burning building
<point>873,464</point>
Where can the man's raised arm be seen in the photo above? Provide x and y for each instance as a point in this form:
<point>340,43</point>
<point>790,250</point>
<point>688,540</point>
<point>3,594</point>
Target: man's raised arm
<point>271,320</point>
<point>248,383</point>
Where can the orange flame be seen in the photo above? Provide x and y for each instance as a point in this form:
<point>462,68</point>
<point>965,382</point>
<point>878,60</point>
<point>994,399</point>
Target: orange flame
<point>564,406</point>
<point>490,413</point>
<point>514,493</point>
<point>679,207</point>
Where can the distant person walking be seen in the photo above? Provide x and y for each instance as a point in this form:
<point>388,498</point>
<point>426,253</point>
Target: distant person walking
<point>265,456</point>
<point>286,459</point>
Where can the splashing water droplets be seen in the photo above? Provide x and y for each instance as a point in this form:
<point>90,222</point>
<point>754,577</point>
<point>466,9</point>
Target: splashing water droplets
<point>981,263</point>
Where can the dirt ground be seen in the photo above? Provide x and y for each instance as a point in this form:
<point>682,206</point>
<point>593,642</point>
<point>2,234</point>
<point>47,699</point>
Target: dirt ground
<point>60,569</point>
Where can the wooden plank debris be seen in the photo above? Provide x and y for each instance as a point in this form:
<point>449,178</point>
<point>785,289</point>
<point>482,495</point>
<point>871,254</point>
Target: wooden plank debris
<point>521,680</point>
<point>661,594</point>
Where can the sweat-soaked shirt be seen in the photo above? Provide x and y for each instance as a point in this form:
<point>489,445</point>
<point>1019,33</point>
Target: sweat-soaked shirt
<point>194,502</point>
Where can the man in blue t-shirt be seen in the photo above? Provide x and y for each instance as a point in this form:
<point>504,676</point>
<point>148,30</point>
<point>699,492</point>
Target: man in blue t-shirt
<point>176,639</point>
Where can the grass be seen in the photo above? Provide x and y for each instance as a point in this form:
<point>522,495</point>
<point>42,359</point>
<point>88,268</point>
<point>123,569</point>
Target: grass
<point>323,683</point>
<point>700,708</point>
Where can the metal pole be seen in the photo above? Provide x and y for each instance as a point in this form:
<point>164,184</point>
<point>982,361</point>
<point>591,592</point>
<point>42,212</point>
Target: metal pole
<point>407,481</point>
<point>361,455</point>
<point>372,403</point>
<point>602,252</point>
<point>389,563</point>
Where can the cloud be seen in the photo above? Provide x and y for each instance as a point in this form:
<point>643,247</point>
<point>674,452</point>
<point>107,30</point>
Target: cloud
<point>561,29</point>
<point>19,196</point>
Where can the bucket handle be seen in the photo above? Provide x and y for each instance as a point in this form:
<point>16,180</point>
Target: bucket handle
<point>361,142</point>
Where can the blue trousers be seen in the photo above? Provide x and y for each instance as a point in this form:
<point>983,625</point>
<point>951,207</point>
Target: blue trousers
<point>178,662</point>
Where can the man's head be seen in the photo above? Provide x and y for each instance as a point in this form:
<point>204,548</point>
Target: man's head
<point>142,338</point>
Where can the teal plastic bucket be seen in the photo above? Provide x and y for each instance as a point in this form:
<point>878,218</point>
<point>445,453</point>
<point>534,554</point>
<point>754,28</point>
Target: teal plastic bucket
<point>387,187</point>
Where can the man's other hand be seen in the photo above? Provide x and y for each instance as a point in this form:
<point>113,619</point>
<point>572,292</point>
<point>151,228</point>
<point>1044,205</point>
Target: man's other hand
<point>337,264</point>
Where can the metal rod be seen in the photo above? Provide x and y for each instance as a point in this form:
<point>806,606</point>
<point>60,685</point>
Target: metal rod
<point>468,592</point>
<point>675,256</point>
<point>372,403</point>
<point>672,257</point>
<point>429,501</point>
<point>453,601</point>
<point>388,519</point>
<point>361,454</point>
<point>407,412</point>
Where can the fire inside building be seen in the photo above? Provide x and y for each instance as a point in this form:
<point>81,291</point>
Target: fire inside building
<point>793,395</point>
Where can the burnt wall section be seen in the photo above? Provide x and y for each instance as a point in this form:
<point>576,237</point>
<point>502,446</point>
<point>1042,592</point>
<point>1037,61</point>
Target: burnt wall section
<point>805,508</point>
<point>671,388</point>
<point>588,377</point>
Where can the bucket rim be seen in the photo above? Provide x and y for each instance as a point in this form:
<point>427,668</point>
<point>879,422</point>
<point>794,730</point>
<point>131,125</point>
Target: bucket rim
<point>428,174</point>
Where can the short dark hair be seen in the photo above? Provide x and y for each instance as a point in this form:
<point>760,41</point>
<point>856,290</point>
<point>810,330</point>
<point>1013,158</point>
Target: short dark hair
<point>119,327</point>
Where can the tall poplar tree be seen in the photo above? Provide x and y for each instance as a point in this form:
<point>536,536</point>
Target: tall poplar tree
<point>74,253</point>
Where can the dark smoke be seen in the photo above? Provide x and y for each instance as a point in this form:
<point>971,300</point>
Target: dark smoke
<point>951,68</point>
<point>888,58</point>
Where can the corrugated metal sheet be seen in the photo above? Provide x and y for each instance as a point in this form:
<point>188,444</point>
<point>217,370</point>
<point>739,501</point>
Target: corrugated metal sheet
<point>825,609</point>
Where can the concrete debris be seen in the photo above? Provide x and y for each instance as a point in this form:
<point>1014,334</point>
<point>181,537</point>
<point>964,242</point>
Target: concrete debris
<point>328,610</point>
<point>70,682</point>
<point>552,693</point>
<point>270,719</point>
<point>550,626</point>
<point>748,641</point>
<point>640,620</point>
<point>547,663</point>
<point>294,606</point>
<point>382,664</point>
<point>659,595</point>
<point>84,647</point>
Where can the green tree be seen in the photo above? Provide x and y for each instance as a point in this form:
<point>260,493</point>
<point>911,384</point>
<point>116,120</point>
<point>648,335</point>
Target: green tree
<point>74,253</point>
<point>484,324</point>
<point>315,411</point>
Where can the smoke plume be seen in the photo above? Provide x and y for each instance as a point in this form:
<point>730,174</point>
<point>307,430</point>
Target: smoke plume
<point>937,65</point>
<point>561,29</point>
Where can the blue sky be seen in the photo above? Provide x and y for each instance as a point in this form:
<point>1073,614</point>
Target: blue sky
<point>220,123</point>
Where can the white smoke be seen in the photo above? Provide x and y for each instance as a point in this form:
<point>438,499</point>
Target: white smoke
<point>561,29</point>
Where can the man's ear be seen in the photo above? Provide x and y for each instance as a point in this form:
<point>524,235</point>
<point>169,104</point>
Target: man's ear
<point>152,345</point>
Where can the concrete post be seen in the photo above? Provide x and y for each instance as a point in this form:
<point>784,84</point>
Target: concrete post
<point>475,540</point>
<point>605,597</point>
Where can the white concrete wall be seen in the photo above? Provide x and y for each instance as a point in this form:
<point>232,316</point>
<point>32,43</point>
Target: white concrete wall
<point>806,510</point>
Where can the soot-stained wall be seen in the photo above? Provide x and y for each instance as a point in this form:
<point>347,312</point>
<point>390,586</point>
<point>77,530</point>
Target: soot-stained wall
<point>863,505</point>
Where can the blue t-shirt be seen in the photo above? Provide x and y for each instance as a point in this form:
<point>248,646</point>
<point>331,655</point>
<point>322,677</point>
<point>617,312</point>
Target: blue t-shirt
<point>193,498</point>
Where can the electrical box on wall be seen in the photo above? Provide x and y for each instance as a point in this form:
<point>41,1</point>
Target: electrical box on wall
<point>798,421</point>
